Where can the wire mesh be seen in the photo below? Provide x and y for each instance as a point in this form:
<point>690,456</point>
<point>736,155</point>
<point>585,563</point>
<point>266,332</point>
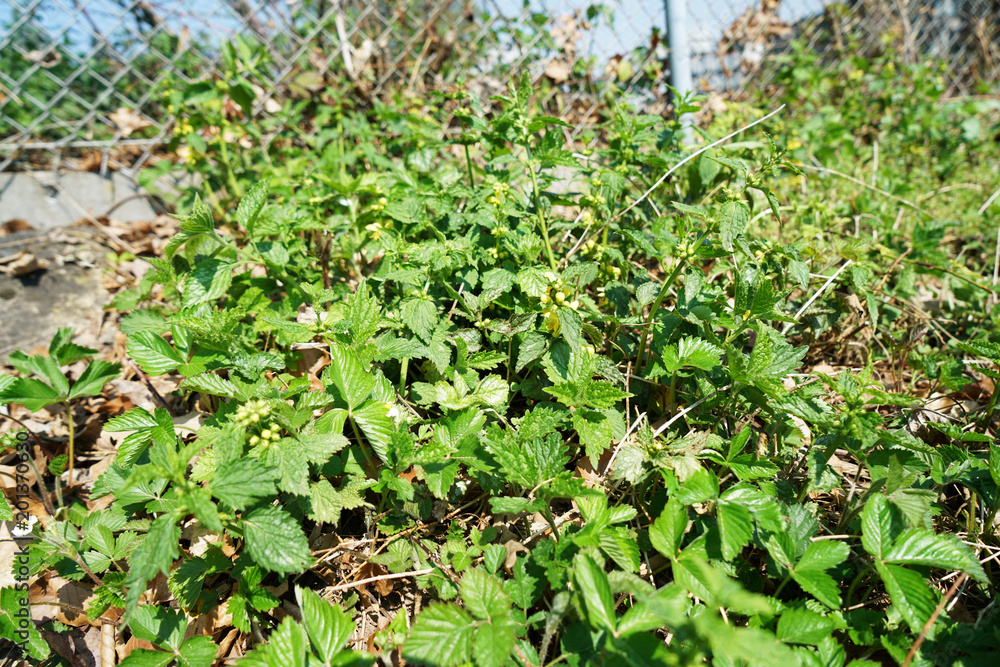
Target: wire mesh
<point>84,81</point>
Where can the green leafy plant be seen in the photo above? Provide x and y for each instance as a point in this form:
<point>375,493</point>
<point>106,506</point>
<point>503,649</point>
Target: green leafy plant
<point>42,383</point>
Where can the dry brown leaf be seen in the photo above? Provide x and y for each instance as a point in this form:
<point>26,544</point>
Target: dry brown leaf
<point>369,570</point>
<point>124,649</point>
<point>15,225</point>
<point>22,264</point>
<point>558,70</point>
<point>513,548</point>
<point>128,121</point>
<point>60,598</point>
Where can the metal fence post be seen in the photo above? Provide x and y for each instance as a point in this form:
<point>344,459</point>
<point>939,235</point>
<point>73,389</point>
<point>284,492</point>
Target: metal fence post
<point>680,55</point>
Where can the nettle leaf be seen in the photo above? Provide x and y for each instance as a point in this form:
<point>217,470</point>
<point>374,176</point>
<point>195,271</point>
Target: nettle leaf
<point>155,554</point>
<point>209,280</point>
<point>486,599</point>
<point>352,379</point>
<point>646,293</point>
<point>596,432</point>
<point>923,547</point>
<point>153,354</point>
<point>442,636</point>
<point>421,316</point>
<point>275,540</point>
<point>911,596</point>
<point>592,583</point>
<point>803,626</point>
<point>211,384</point>
<point>733,218</point>
<point>252,204</point>
<point>328,626</point>
<point>691,351</point>
<point>243,482</point>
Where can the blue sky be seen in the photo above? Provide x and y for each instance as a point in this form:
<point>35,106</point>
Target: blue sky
<point>634,19</point>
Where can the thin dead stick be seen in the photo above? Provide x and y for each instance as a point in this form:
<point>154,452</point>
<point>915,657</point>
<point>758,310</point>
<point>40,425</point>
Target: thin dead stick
<point>930,621</point>
<point>384,577</point>
<point>882,192</point>
<point>638,422</point>
<point>988,202</point>
<point>664,426</point>
<point>948,188</point>
<point>123,245</point>
<point>805,306</point>
<point>691,157</point>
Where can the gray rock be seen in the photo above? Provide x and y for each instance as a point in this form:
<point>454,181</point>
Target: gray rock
<point>48,200</point>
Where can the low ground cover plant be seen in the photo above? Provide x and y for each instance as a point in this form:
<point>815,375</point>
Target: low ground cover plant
<point>566,402</point>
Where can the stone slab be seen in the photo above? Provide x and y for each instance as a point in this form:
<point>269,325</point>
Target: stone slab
<point>48,200</point>
<point>68,293</point>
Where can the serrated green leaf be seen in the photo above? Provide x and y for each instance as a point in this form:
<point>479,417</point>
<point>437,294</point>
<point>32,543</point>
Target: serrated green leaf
<point>910,594</point>
<point>158,625</point>
<point>620,545</point>
<point>421,316</point>
<point>922,547</point>
<point>352,380</point>
<point>592,584</point>
<point>735,527</point>
<point>153,354</point>
<point>94,377</point>
<point>44,367</point>
<point>252,204</point>
<point>211,384</point>
<point>209,280</point>
<point>442,636</point>
<point>275,540</point>
<point>881,524</point>
<point>328,626</point>
<point>288,644</point>
<point>134,419</point>
<point>11,602</point>
<point>197,652</point>
<point>646,293</point>
<point>803,626</point>
<point>243,482</point>
<point>733,219</point>
<point>493,643</point>
<point>810,571</point>
<point>31,393</point>
<point>668,530</point>
<point>155,554</point>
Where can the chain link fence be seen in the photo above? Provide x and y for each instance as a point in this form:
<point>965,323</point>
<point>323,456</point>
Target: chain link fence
<point>83,82</point>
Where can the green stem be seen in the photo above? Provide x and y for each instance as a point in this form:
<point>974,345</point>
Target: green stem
<point>782,585</point>
<point>230,176</point>
<point>403,367</point>
<point>541,213</point>
<point>69,449</point>
<point>372,468</point>
<point>468,165</point>
<point>648,324</point>
<point>854,584</point>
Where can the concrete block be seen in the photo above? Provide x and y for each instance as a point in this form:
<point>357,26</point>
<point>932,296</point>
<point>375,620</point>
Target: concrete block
<point>49,200</point>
